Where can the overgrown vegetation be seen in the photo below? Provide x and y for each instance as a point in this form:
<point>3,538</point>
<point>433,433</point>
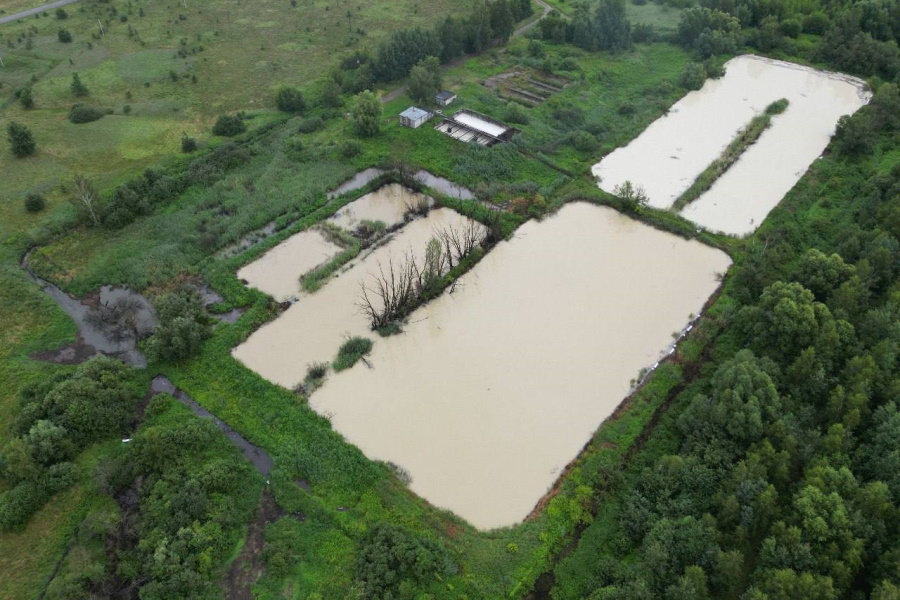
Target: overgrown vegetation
<point>350,352</point>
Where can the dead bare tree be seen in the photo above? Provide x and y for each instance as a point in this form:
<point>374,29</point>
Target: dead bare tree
<point>459,242</point>
<point>392,292</point>
<point>86,197</point>
<point>418,204</point>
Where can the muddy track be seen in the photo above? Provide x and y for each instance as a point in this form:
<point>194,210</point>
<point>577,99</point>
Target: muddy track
<point>249,565</point>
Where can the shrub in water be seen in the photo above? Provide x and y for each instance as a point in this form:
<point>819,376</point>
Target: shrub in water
<point>351,351</point>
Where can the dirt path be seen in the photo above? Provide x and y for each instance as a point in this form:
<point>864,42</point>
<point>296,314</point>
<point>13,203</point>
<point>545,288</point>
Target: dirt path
<point>249,566</point>
<point>34,11</point>
<point>547,8</point>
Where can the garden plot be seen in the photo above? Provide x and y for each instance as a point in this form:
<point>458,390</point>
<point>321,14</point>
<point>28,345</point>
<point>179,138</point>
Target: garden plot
<point>526,87</point>
<point>669,155</point>
<point>495,386</point>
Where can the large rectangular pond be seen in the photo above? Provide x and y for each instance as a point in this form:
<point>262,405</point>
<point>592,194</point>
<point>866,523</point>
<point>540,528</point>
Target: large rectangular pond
<point>492,389</point>
<point>669,155</point>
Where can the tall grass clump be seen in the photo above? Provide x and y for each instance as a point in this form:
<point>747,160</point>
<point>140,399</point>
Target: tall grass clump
<point>351,351</point>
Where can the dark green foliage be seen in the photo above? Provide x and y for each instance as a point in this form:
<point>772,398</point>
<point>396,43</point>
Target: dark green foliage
<point>392,558</point>
<point>290,100</point>
<point>61,14</point>
<point>815,23</point>
<point>481,163</point>
<point>350,148</point>
<point>78,89</point>
<point>57,418</point>
<point>351,351</point>
<point>64,36</point>
<point>708,31</point>
<point>425,80</point>
<point>34,203</point>
<point>405,48</point>
<point>21,141</point>
<point>606,28</point>
<point>85,113</point>
<point>584,141</point>
<point>183,327</point>
<point>229,126</point>
<point>366,114</point>
<point>516,113</point>
<point>197,494</point>
<point>188,144</point>
<point>26,98</point>
<point>693,77</point>
<point>310,125</point>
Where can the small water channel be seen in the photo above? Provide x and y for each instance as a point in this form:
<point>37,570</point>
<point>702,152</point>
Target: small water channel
<point>256,455</point>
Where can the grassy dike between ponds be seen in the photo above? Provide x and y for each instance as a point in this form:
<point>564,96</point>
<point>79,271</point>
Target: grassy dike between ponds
<point>745,138</point>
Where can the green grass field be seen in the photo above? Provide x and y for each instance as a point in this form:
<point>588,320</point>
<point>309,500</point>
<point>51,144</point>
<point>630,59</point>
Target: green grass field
<point>238,54</point>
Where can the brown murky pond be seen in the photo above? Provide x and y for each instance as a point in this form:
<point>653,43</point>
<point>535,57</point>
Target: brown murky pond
<point>313,328</point>
<point>492,389</point>
<point>669,155</point>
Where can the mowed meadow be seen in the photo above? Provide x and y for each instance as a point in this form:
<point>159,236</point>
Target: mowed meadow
<point>165,69</point>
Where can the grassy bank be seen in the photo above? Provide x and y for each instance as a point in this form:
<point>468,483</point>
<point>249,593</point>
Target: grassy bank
<point>745,138</point>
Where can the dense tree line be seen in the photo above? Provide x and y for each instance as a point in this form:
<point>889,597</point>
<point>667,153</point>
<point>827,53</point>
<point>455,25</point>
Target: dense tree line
<point>780,480</point>
<point>58,418</point>
<point>487,24</point>
<point>183,494</point>
<point>600,26</point>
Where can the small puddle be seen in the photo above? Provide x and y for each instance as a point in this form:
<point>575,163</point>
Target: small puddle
<point>354,183</point>
<point>255,454</point>
<point>110,323</point>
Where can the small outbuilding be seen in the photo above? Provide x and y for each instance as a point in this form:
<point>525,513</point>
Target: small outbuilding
<point>444,98</point>
<point>414,117</point>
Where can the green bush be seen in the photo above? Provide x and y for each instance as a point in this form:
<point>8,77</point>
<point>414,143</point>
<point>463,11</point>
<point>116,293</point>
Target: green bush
<point>584,141</point>
<point>188,144</point>
<point>21,141</point>
<point>350,148</point>
<point>229,126</point>
<point>790,28</point>
<point>693,77</point>
<point>516,113</point>
<point>64,36</point>
<point>351,351</point>
<point>26,98</point>
<point>310,125</point>
<point>84,113</point>
<point>35,203</point>
<point>183,327</point>
<point>290,100</point>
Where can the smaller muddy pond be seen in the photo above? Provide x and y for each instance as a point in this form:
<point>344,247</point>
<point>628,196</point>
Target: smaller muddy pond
<point>278,272</point>
<point>313,328</point>
<point>492,389</point>
<point>669,155</point>
<point>388,204</point>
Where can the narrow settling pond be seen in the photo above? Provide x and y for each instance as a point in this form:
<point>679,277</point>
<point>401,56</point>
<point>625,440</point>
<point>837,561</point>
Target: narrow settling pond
<point>669,155</point>
<point>278,272</point>
<point>492,389</point>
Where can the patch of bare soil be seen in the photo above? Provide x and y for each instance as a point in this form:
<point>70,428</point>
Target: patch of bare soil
<point>71,354</point>
<point>249,566</point>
